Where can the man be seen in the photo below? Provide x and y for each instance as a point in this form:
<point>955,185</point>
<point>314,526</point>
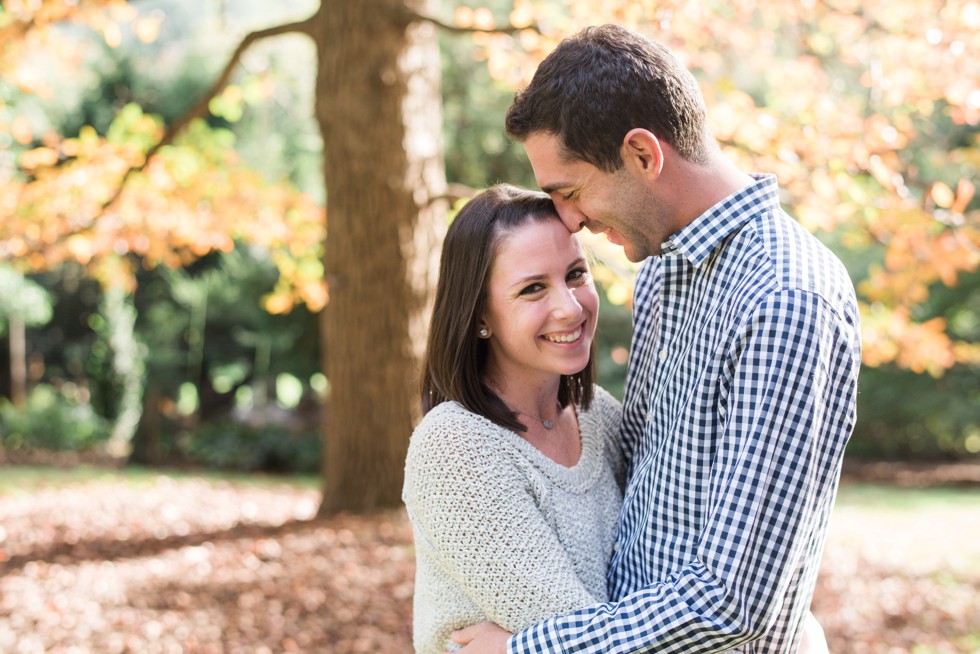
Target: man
<point>742,381</point>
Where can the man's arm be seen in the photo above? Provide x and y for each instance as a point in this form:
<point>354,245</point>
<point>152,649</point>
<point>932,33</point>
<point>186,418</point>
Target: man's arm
<point>789,412</point>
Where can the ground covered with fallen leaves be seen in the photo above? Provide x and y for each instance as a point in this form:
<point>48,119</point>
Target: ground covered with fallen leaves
<point>175,563</point>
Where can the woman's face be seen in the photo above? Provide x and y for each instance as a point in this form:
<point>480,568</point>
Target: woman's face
<point>542,305</point>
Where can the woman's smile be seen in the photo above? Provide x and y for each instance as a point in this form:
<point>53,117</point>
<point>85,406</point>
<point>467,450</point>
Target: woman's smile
<point>565,337</point>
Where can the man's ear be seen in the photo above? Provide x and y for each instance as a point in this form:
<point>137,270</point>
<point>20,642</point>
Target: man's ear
<point>642,153</point>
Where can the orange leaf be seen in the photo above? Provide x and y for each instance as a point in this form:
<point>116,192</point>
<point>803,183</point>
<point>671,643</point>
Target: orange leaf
<point>38,157</point>
<point>964,193</point>
<point>20,129</point>
<point>278,303</point>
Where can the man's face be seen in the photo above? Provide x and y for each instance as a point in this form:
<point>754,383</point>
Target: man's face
<point>615,204</point>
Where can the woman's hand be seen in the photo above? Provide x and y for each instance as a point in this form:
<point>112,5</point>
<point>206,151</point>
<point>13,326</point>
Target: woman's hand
<point>482,638</point>
<point>813,640</point>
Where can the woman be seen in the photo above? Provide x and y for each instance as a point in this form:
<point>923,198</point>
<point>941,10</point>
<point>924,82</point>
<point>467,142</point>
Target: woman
<point>513,477</point>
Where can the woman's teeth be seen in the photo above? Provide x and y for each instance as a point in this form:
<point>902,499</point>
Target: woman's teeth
<point>565,338</point>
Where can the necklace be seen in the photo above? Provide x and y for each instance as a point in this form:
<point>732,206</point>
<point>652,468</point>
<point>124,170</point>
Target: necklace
<point>548,424</point>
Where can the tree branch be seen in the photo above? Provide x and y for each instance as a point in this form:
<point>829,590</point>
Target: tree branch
<point>453,193</point>
<point>200,108</point>
<point>455,29</point>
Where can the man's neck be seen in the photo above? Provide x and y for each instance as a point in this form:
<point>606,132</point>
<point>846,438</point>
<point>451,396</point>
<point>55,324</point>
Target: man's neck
<point>696,188</point>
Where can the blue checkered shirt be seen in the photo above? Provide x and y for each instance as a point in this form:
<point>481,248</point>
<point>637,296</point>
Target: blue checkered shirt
<point>740,397</point>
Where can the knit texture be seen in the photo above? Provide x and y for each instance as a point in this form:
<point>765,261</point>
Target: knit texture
<point>502,532</point>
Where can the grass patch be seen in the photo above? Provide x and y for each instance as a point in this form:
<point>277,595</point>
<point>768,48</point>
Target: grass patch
<point>21,480</point>
<point>878,496</point>
<point>930,531</point>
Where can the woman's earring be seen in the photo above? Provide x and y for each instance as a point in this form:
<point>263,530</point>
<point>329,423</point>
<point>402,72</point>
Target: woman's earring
<point>484,332</point>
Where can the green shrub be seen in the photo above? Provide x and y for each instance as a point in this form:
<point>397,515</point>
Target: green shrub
<point>907,416</point>
<point>229,445</point>
<point>50,421</point>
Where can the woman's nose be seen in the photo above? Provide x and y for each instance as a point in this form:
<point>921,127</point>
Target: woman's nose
<point>567,306</point>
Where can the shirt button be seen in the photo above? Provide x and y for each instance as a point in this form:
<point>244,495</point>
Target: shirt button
<point>615,547</point>
<point>662,354</point>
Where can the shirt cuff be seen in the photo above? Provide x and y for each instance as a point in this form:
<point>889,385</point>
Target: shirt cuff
<point>541,638</point>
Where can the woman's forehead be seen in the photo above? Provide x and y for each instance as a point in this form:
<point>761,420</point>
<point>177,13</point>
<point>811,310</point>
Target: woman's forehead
<point>538,242</point>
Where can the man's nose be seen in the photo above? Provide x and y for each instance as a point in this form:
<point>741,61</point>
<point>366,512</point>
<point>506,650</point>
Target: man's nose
<point>571,217</point>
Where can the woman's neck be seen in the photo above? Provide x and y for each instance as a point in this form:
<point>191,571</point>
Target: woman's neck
<point>537,398</point>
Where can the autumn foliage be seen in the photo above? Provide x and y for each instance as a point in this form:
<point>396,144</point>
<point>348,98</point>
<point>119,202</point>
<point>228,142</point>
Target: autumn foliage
<point>96,200</point>
<point>867,112</point>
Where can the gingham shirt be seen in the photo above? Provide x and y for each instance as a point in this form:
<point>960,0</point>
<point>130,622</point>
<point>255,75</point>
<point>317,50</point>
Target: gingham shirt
<point>740,397</point>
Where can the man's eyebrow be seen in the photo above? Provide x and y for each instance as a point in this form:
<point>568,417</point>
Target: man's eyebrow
<point>551,188</point>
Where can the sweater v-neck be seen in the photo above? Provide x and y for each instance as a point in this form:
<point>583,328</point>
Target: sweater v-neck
<point>577,478</point>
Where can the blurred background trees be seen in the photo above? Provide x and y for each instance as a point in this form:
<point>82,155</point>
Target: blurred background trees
<point>191,308</point>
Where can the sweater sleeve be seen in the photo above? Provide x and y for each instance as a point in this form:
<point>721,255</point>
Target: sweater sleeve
<point>474,505</point>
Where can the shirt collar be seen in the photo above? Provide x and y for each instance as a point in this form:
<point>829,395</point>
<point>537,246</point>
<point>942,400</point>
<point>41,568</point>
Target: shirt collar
<point>696,240</point>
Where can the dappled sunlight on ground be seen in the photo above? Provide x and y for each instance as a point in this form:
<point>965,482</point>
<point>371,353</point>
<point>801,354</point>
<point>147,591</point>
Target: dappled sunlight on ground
<point>189,565</point>
<point>893,579</point>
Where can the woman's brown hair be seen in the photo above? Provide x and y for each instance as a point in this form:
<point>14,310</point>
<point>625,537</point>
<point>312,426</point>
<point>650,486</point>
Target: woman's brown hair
<point>455,356</point>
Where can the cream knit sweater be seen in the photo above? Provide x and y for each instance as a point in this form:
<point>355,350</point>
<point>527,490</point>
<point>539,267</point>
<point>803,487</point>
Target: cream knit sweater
<point>502,532</point>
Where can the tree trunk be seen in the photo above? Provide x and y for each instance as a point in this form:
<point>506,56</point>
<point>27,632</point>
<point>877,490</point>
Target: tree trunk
<point>379,110</point>
<point>18,361</point>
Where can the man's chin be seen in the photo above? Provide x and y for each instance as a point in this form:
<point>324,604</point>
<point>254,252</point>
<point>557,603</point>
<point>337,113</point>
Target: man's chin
<point>629,250</point>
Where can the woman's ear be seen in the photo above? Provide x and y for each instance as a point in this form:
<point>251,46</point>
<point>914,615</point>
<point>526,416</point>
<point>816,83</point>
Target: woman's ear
<point>642,153</point>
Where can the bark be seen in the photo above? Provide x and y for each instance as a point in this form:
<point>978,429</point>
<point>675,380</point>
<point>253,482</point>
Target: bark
<point>378,107</point>
<point>18,361</point>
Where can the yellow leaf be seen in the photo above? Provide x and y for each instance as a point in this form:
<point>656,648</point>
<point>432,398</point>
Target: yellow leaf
<point>619,293</point>
<point>122,12</point>
<point>80,248</point>
<point>970,15</point>
<point>112,35</point>
<point>147,28</point>
<point>942,195</point>
<point>483,19</point>
<point>522,15</point>
<point>464,16</point>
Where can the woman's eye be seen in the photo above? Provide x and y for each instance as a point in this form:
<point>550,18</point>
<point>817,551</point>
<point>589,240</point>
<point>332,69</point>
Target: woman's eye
<point>578,274</point>
<point>532,289</point>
